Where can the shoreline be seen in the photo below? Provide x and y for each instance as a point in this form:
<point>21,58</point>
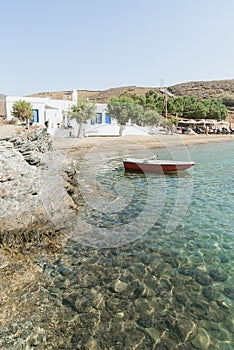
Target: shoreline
<point>80,147</point>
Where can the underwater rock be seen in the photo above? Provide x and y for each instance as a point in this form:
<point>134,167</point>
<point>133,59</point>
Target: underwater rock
<point>217,275</point>
<point>154,334</point>
<point>119,286</point>
<point>185,328</point>
<point>145,322</point>
<point>202,340</point>
<point>229,292</point>
<point>202,278</point>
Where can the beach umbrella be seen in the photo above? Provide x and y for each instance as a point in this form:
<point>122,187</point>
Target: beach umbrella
<point>191,121</point>
<point>202,121</point>
<point>210,121</point>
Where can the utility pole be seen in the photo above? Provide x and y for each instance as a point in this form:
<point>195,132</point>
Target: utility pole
<point>165,103</point>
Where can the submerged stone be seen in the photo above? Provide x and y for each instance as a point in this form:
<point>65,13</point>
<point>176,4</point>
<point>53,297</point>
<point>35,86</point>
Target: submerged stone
<point>154,334</point>
<point>185,328</point>
<point>217,275</point>
<point>202,340</point>
<point>229,292</point>
<point>119,286</point>
<point>202,278</point>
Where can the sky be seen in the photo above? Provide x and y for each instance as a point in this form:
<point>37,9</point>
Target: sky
<point>50,45</point>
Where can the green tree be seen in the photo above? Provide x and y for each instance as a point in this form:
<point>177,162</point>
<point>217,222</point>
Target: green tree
<point>139,99</point>
<point>215,109</point>
<point>82,111</point>
<point>23,110</point>
<point>155,101</point>
<point>151,117</point>
<point>124,109</point>
<point>190,107</point>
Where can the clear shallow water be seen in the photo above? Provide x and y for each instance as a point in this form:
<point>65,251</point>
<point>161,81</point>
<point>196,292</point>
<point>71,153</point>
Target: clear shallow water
<point>169,287</point>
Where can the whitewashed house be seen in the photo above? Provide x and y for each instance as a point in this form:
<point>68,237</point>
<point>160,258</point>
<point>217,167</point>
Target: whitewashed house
<point>55,113</point>
<point>45,109</point>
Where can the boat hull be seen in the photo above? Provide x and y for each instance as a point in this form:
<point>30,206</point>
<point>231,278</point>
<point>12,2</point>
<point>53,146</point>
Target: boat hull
<point>159,167</point>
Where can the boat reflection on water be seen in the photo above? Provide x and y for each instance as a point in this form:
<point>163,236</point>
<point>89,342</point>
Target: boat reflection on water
<point>176,174</point>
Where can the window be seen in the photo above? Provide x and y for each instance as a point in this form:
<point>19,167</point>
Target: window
<point>35,116</point>
<point>99,118</point>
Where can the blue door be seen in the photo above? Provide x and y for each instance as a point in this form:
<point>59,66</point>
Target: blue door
<point>108,119</point>
<point>35,116</point>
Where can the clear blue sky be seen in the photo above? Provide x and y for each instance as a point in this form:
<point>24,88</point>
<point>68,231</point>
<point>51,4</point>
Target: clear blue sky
<point>50,45</point>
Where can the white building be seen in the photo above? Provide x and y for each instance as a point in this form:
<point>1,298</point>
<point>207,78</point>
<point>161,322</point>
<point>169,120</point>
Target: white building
<point>45,109</point>
<point>55,112</point>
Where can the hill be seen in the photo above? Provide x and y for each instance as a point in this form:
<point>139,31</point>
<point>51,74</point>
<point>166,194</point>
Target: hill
<point>204,89</point>
<point>100,96</point>
<point>200,89</point>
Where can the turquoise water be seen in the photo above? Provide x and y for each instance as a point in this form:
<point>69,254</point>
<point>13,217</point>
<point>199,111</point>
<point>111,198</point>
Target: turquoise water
<point>167,284</point>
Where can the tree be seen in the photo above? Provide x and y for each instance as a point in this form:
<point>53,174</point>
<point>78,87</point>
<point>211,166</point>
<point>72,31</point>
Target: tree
<point>124,109</point>
<point>155,101</point>
<point>23,110</point>
<point>82,111</point>
<point>151,117</point>
<point>139,99</point>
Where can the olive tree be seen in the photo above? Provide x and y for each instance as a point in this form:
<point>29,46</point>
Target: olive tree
<point>124,109</point>
<point>151,117</point>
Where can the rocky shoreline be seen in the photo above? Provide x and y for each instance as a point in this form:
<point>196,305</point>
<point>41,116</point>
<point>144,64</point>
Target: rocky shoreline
<point>23,216</point>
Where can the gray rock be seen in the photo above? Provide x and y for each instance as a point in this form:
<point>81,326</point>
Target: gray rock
<point>23,214</point>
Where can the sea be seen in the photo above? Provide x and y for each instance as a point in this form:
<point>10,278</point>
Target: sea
<point>149,265</point>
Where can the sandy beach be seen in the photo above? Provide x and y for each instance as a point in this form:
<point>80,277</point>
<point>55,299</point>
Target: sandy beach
<point>105,144</point>
<point>79,147</point>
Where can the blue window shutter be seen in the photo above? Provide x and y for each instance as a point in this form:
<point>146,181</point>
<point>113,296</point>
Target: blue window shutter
<point>108,119</point>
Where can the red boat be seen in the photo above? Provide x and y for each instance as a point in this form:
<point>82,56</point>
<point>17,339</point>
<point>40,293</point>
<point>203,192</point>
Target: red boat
<point>156,165</point>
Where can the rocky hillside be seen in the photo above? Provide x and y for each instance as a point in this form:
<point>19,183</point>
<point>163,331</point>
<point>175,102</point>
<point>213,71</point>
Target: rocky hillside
<point>204,89</point>
<point>201,89</point>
